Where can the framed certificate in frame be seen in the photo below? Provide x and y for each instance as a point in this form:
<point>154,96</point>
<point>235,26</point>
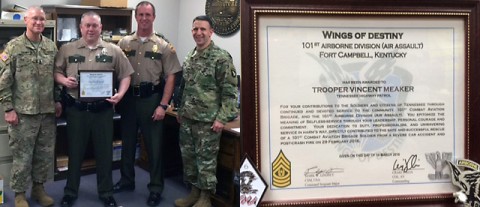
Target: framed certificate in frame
<point>359,103</point>
<point>95,84</point>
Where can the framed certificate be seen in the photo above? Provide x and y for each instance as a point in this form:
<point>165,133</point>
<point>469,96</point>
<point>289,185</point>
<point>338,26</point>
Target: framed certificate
<point>359,103</point>
<point>95,84</point>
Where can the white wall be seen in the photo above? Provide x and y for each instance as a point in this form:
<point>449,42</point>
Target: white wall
<point>167,12</point>
<point>173,19</point>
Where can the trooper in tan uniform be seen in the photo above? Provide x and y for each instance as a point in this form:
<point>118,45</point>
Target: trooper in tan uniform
<point>92,118</point>
<point>144,105</point>
<point>27,96</point>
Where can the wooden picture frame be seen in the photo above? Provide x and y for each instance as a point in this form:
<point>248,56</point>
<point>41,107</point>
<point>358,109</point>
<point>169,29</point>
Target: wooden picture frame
<point>286,39</point>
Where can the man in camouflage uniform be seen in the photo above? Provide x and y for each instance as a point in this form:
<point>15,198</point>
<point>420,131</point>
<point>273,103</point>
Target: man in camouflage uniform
<point>146,101</point>
<point>28,97</point>
<point>90,118</point>
<point>208,103</point>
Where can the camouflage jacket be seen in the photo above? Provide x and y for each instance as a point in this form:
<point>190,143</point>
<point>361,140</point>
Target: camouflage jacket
<point>210,86</point>
<point>26,76</point>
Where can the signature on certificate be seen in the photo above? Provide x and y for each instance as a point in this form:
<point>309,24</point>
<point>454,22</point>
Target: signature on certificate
<point>316,171</point>
<point>406,165</point>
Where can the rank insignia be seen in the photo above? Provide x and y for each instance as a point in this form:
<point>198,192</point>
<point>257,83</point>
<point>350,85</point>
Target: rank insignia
<point>155,48</point>
<point>467,180</point>
<point>281,171</point>
<point>4,56</point>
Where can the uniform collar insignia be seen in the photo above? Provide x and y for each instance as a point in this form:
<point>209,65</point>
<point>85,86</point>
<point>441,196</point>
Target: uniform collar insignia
<point>172,48</point>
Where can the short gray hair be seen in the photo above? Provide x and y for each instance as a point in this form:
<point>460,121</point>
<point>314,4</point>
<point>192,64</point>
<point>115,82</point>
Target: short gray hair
<point>91,14</point>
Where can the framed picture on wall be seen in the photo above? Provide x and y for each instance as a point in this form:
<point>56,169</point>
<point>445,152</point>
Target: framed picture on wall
<point>359,103</point>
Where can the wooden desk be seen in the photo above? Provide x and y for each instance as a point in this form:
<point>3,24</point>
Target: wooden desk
<point>227,194</point>
<point>172,160</point>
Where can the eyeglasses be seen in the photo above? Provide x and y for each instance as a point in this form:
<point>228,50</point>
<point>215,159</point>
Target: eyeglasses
<point>41,19</point>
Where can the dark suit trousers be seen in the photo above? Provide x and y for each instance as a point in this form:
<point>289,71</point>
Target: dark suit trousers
<point>82,126</point>
<point>137,114</point>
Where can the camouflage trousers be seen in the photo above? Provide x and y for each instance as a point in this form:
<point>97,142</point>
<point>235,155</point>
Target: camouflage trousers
<point>32,143</point>
<point>199,146</point>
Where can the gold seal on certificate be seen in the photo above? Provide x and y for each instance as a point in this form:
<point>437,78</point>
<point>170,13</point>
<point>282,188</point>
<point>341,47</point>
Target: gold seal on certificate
<point>95,84</point>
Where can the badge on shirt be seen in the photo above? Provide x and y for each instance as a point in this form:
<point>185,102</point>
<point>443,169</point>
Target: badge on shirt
<point>155,48</point>
<point>103,57</point>
<point>4,56</point>
<point>104,51</point>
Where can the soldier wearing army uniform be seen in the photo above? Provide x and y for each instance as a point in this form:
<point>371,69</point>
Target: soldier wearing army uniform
<point>90,118</point>
<point>208,103</point>
<point>28,97</point>
<point>145,103</point>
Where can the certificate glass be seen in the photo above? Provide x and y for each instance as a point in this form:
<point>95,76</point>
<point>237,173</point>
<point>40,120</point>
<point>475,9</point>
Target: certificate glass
<point>356,106</point>
<point>95,85</point>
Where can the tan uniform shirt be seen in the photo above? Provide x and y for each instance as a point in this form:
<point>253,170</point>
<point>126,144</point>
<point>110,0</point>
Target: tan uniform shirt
<point>152,59</point>
<point>76,56</point>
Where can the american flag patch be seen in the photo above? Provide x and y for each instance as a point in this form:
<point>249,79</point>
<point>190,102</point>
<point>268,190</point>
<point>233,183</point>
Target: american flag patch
<point>4,56</point>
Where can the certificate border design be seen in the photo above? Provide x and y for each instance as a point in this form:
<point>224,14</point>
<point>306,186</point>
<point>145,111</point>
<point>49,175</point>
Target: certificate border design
<point>253,10</point>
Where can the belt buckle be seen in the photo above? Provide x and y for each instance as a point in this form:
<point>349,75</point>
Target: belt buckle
<point>136,90</point>
<point>88,106</point>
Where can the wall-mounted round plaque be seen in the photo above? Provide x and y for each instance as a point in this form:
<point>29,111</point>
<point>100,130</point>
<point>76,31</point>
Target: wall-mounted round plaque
<point>225,15</point>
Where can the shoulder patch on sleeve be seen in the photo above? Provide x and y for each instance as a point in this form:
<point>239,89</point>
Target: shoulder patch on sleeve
<point>162,36</point>
<point>172,48</point>
<point>4,56</point>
